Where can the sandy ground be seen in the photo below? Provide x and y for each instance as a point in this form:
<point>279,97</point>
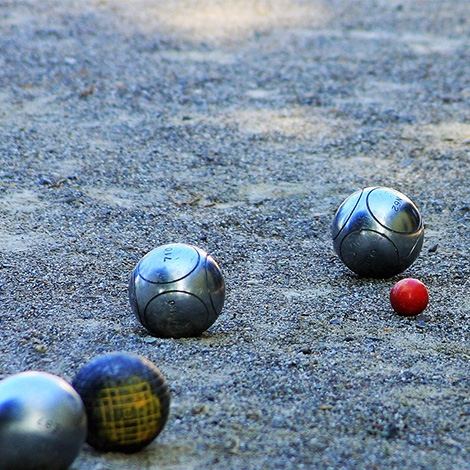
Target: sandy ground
<point>239,127</point>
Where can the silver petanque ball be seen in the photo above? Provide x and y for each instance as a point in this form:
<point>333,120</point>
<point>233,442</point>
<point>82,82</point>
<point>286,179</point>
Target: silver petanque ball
<point>43,422</point>
<point>377,232</point>
<point>177,290</point>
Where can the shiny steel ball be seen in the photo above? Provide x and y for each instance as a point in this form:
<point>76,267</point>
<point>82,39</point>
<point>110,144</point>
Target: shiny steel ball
<point>177,290</point>
<point>378,232</point>
<point>42,422</point>
<point>126,399</point>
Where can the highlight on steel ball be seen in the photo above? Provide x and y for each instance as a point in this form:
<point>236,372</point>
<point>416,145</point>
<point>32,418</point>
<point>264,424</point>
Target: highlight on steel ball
<point>177,290</point>
<point>377,232</point>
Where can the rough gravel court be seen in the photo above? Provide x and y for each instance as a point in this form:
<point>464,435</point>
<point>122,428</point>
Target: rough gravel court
<point>239,127</point>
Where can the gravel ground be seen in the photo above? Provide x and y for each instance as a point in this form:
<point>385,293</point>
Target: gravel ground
<point>239,127</point>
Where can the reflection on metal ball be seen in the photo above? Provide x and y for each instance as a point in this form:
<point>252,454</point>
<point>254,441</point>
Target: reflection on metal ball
<point>378,232</point>
<point>42,422</point>
<point>177,290</point>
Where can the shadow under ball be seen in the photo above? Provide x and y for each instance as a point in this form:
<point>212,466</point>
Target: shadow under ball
<point>377,232</point>
<point>43,423</point>
<point>177,290</point>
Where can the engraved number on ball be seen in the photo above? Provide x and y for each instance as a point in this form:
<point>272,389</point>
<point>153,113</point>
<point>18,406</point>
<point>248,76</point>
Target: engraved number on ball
<point>397,204</point>
<point>168,254</point>
<point>49,425</point>
<point>172,306</point>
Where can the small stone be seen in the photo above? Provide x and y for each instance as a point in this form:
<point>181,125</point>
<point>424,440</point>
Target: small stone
<point>150,340</point>
<point>40,348</point>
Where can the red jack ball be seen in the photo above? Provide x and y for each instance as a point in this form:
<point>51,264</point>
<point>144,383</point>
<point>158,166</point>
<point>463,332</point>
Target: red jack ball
<point>409,297</point>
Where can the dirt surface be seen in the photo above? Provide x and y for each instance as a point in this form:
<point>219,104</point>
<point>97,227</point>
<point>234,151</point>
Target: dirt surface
<point>239,127</point>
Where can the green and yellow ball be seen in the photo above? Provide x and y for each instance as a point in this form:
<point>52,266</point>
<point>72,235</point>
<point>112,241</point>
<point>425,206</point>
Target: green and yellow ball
<point>127,401</point>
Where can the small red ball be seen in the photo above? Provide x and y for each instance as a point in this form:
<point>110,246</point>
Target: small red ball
<point>409,297</point>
